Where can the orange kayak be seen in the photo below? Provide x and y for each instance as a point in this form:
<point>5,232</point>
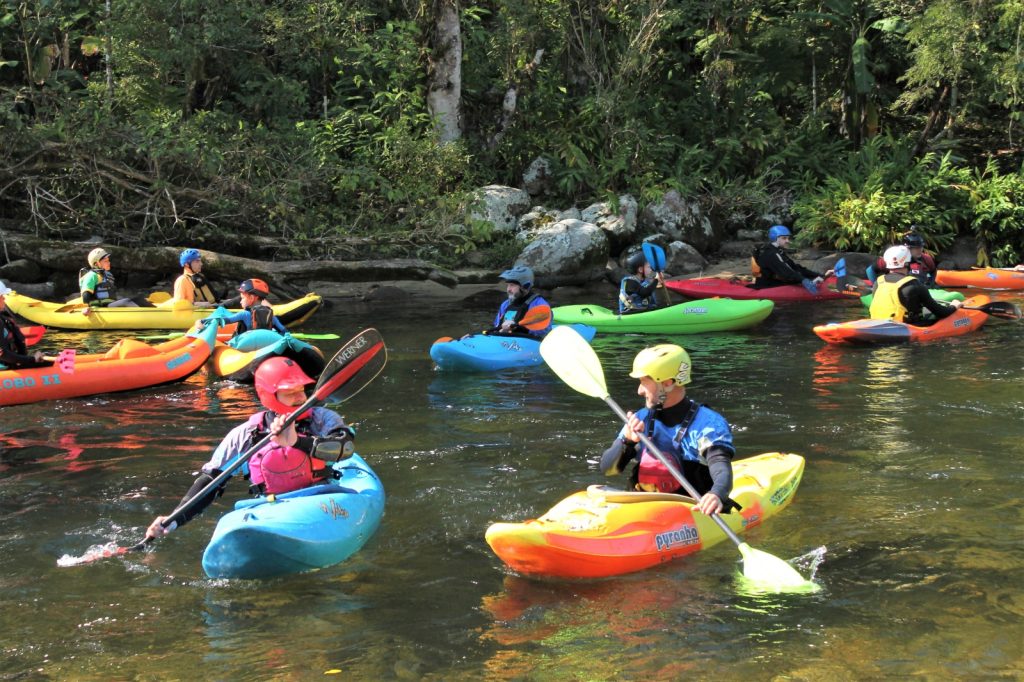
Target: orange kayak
<point>981,278</point>
<point>128,365</point>
<point>886,331</point>
<point>602,532</point>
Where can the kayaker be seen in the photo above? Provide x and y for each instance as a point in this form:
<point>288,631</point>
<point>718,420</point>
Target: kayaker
<point>524,312</point>
<point>772,267</point>
<point>901,297</point>
<point>697,438</point>
<point>642,289</point>
<point>191,284</point>
<point>13,349</point>
<point>294,458</point>
<point>921,265</point>
<point>256,313</point>
<point>96,284</point>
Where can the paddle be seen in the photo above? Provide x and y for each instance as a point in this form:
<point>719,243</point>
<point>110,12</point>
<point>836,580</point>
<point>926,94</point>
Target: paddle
<point>1003,309</point>
<point>296,335</point>
<point>574,361</point>
<point>351,369</point>
<point>655,256</point>
<point>65,360</point>
<point>844,285</point>
<point>158,297</point>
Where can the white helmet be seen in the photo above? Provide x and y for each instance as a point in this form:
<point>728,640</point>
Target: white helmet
<point>896,257</point>
<point>4,289</point>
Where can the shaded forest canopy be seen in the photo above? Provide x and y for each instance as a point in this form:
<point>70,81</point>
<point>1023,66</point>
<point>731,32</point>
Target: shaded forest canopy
<point>352,128</point>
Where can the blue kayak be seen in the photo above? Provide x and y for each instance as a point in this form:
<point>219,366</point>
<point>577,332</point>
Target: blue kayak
<point>298,531</point>
<point>489,352</point>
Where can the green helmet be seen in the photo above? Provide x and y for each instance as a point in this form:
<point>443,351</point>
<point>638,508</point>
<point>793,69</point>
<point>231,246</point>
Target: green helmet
<point>661,362</point>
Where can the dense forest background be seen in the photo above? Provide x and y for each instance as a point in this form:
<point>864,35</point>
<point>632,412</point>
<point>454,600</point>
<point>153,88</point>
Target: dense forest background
<point>342,127</point>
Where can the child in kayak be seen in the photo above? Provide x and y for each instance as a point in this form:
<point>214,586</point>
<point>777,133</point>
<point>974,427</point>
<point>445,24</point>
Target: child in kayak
<point>256,313</point>
<point>524,312</point>
<point>775,268</point>
<point>696,437</point>
<point>191,284</point>
<point>295,458</point>
<point>901,297</point>
<point>642,289</point>
<point>96,285</point>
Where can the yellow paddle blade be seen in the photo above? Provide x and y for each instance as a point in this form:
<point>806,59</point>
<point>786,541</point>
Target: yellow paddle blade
<point>770,573</point>
<point>570,357</point>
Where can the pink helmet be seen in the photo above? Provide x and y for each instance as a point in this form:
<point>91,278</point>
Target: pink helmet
<point>276,374</point>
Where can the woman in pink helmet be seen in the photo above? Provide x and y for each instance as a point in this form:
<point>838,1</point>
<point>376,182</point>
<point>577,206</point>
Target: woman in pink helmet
<point>293,459</point>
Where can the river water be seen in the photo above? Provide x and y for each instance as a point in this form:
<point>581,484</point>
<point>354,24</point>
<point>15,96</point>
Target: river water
<point>909,511</point>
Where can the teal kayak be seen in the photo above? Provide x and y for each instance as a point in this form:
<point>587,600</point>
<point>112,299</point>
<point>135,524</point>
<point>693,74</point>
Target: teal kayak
<point>693,317</point>
<point>491,352</point>
<point>299,531</point>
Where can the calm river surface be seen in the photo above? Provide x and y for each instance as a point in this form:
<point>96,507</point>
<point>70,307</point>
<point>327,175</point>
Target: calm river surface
<point>913,487</point>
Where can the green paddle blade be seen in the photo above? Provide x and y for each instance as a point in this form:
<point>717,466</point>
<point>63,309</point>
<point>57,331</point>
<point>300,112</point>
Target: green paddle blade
<point>570,357</point>
<point>770,573</point>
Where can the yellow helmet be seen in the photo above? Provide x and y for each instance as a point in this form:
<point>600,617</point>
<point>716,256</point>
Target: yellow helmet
<point>96,255</point>
<point>661,362</point>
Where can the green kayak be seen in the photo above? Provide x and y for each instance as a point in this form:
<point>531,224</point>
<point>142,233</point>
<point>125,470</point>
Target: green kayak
<point>937,294</point>
<point>693,317</point>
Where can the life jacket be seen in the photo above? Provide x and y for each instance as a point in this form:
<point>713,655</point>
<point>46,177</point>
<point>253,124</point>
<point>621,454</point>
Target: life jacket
<point>886,303</point>
<point>652,475</point>
<point>922,269</point>
<point>201,289</point>
<point>105,289</point>
<point>13,339</point>
<point>515,309</point>
<point>755,267</point>
<point>629,301</point>
<point>276,469</point>
<point>261,317</point>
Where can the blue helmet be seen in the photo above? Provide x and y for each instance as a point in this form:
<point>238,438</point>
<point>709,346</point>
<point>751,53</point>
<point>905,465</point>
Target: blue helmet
<point>520,274</point>
<point>777,231</point>
<point>189,255</point>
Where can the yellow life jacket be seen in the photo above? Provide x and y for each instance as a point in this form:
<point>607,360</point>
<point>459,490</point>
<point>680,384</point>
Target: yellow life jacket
<point>886,302</point>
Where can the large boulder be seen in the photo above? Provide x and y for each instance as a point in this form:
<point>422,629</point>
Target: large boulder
<point>22,270</point>
<point>566,252</point>
<point>682,220</point>
<point>618,222</point>
<point>683,259</point>
<point>500,206</point>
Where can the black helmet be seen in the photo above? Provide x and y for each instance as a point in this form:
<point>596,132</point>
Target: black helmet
<point>634,262</point>
<point>913,239</point>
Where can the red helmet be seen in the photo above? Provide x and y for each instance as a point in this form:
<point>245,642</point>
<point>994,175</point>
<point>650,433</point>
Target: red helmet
<point>275,374</point>
<point>256,287</point>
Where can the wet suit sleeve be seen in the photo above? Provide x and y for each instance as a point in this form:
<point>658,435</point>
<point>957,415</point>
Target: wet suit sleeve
<point>616,457</point>
<point>13,360</point>
<point>783,268</point>
<point>914,296</point>
<point>278,327</point>
<point>720,465</point>
<point>201,482</point>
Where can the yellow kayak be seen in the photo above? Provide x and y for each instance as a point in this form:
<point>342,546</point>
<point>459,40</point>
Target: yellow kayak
<point>167,315</point>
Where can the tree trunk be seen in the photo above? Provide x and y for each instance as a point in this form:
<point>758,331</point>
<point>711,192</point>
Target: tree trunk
<point>108,57</point>
<point>444,89</point>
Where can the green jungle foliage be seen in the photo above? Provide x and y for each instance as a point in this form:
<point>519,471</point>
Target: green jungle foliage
<point>307,123</point>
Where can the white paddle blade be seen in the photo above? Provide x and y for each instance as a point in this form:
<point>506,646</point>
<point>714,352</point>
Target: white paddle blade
<point>570,357</point>
<point>771,573</point>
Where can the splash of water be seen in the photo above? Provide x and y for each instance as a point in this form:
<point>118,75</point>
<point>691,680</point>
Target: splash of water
<point>94,553</point>
<point>807,564</point>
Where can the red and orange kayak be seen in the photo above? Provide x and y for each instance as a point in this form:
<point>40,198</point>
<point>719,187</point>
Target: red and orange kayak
<point>982,278</point>
<point>128,365</point>
<point>886,331</point>
<point>602,532</point>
